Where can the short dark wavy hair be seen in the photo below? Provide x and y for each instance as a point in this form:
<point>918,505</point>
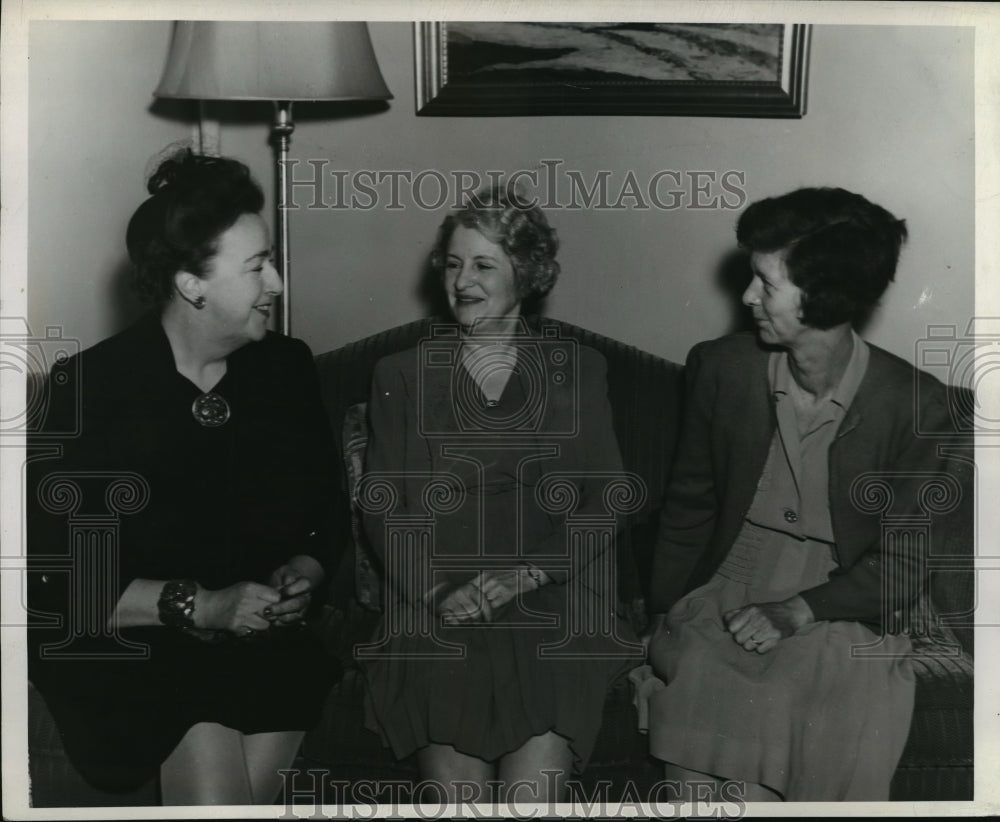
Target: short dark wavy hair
<point>518,227</point>
<point>194,200</point>
<point>840,249</point>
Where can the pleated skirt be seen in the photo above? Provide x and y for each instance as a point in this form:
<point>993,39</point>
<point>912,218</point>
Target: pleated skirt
<point>487,689</point>
<point>824,716</point>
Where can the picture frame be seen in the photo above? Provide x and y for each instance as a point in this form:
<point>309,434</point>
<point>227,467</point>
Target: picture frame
<point>479,69</point>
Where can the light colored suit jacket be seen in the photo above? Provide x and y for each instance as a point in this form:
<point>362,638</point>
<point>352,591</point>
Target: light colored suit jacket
<point>729,421</point>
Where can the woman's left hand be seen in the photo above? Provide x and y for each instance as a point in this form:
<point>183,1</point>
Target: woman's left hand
<point>759,626</point>
<point>296,594</point>
<point>500,587</point>
<point>489,591</point>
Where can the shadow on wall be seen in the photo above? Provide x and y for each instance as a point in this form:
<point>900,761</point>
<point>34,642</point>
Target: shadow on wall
<point>430,291</point>
<point>732,276</point>
<point>126,307</point>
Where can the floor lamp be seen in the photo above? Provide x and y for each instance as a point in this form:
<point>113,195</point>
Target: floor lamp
<point>279,62</point>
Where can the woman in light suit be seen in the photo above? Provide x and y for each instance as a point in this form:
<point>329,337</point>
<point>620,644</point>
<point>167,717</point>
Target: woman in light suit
<point>770,566</point>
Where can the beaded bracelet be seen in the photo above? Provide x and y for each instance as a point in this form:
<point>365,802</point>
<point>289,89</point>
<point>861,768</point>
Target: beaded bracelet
<point>176,603</point>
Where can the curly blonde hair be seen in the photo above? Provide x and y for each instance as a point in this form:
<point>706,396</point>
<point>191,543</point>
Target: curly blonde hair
<point>518,227</point>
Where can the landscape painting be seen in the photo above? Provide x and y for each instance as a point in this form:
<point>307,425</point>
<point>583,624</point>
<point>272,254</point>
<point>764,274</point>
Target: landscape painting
<point>706,69</point>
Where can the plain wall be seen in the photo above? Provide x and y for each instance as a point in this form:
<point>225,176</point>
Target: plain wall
<point>91,134</point>
<point>890,116</point>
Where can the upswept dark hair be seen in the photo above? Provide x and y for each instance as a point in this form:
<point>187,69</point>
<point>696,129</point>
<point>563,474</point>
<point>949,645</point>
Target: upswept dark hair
<point>518,227</point>
<point>194,199</point>
<point>840,249</point>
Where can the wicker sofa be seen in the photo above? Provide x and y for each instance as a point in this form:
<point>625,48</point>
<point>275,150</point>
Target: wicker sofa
<point>645,393</point>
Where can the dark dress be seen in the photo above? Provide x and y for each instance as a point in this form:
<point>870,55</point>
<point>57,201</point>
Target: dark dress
<point>219,505</point>
<point>487,688</point>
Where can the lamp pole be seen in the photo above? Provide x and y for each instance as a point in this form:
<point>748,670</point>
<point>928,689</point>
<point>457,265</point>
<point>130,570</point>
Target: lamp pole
<point>282,131</point>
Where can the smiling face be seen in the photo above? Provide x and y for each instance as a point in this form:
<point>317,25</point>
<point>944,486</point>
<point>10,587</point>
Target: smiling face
<point>479,279</point>
<point>242,282</point>
<point>776,302</point>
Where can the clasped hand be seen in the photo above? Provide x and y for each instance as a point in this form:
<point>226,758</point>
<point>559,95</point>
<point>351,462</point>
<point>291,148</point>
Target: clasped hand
<point>249,606</point>
<point>759,626</point>
<point>296,593</point>
<point>484,596</point>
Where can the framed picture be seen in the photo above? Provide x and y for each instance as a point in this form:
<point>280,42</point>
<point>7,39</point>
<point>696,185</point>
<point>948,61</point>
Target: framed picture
<point>481,69</point>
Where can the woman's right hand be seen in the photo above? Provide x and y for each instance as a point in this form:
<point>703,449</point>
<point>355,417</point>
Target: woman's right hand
<point>464,605</point>
<point>484,597</point>
<point>238,608</point>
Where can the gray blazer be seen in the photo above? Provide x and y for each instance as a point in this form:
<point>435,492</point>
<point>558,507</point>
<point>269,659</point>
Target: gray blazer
<point>729,421</point>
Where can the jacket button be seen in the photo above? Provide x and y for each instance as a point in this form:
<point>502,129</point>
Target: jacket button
<point>791,516</point>
<point>45,577</point>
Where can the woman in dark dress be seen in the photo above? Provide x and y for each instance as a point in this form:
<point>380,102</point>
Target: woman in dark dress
<point>499,640</point>
<point>203,436</point>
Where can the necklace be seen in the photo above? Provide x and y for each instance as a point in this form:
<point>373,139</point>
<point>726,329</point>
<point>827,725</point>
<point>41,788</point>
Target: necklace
<point>210,409</point>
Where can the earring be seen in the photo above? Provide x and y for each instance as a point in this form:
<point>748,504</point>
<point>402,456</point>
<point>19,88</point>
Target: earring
<point>197,302</point>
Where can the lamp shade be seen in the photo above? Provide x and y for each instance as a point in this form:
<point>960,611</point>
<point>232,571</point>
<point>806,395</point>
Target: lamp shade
<point>222,60</point>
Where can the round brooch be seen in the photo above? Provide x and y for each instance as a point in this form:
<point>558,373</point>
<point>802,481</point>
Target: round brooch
<point>210,410</point>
